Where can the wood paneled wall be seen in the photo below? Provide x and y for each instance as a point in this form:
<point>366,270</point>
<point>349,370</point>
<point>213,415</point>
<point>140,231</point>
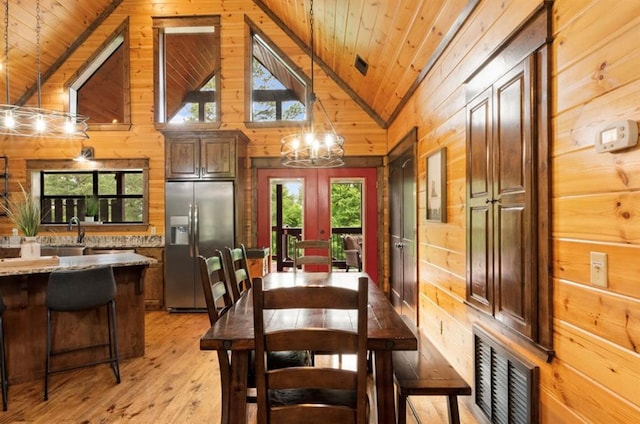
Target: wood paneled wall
<point>595,199</point>
<point>363,135</point>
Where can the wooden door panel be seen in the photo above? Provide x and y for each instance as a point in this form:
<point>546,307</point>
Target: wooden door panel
<point>395,230</point>
<point>479,283</point>
<point>514,221</point>
<point>479,131</point>
<point>409,238</point>
<point>479,269</point>
<point>183,157</point>
<point>218,157</point>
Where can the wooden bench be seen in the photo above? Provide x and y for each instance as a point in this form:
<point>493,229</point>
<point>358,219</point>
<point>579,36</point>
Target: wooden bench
<point>425,372</point>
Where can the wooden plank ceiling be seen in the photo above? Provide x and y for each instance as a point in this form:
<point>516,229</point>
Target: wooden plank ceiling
<point>399,40</point>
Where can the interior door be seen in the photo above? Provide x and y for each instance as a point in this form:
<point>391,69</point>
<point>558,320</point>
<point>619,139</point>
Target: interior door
<point>403,230</point>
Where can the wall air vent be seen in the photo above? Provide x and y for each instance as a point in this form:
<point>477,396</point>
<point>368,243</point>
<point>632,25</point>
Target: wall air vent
<point>506,387</point>
<point>361,65</point>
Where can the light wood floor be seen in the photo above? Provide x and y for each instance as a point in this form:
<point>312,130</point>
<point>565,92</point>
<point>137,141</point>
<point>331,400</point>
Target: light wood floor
<point>173,383</point>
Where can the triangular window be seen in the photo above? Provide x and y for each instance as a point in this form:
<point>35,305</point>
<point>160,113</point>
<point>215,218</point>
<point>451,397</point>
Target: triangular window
<point>100,89</point>
<point>278,93</point>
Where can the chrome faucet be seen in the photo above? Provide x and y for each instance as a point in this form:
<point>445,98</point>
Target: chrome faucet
<point>75,220</point>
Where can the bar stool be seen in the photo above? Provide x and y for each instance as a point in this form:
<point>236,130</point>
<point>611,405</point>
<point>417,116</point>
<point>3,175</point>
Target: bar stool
<point>79,290</point>
<point>3,359</point>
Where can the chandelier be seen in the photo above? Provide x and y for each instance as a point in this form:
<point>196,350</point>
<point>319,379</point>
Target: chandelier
<point>310,148</point>
<point>28,121</point>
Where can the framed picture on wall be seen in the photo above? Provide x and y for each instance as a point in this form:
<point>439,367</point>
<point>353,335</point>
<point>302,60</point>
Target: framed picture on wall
<point>437,186</point>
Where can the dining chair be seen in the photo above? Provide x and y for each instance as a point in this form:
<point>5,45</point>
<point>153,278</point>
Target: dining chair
<point>218,301</point>
<point>70,291</point>
<point>319,394</point>
<point>302,257</point>
<point>217,288</point>
<point>237,268</point>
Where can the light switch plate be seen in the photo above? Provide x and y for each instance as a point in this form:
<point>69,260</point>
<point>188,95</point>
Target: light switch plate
<point>598,261</point>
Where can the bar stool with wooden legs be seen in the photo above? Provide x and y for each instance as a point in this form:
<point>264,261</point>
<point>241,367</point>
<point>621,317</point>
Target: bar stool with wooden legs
<point>3,359</point>
<point>80,290</point>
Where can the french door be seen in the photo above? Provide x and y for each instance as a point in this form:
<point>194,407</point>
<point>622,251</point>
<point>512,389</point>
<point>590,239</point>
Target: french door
<point>315,186</point>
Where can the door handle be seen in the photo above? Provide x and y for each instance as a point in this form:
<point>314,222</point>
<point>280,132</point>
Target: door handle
<point>196,238</point>
<point>190,230</point>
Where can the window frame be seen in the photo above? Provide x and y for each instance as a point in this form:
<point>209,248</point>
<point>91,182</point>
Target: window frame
<point>295,70</point>
<point>119,38</point>
<point>161,27</point>
<point>35,167</point>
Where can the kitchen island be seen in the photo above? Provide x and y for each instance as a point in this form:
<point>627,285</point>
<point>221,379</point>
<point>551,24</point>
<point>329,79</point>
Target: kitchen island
<point>23,285</point>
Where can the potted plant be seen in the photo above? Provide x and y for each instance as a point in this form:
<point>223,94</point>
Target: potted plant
<point>25,214</point>
<point>91,207</point>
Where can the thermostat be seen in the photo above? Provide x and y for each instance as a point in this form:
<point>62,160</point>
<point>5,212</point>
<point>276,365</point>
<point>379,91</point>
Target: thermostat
<point>617,136</point>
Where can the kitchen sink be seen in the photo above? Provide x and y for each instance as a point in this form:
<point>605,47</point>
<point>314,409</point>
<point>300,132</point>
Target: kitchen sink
<point>93,251</point>
<point>62,250</point>
<point>78,251</point>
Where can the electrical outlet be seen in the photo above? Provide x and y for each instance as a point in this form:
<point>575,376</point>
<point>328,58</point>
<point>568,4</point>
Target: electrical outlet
<point>599,269</point>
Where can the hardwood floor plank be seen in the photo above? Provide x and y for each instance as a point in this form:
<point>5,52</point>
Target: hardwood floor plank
<point>174,382</point>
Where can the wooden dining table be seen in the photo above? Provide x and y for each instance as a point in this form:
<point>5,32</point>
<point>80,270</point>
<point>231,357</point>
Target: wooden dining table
<point>387,332</point>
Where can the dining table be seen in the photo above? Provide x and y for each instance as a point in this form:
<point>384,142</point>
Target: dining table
<point>386,332</point>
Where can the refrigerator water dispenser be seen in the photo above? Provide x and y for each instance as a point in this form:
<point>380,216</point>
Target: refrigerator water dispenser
<point>179,229</point>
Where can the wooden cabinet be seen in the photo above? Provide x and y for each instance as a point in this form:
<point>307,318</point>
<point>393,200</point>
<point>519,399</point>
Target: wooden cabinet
<point>202,155</point>
<point>507,201</point>
<point>153,278</point>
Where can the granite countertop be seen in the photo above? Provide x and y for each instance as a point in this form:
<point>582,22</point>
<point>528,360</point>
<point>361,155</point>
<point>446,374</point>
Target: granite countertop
<point>99,242</point>
<point>13,267</point>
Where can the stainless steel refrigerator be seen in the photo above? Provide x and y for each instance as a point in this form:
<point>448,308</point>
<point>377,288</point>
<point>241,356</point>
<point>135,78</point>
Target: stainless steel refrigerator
<point>199,219</point>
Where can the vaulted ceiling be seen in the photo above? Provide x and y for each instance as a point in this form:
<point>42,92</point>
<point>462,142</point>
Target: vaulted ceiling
<point>398,41</point>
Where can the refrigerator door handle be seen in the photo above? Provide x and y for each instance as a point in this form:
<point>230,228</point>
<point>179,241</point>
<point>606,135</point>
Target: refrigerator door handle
<point>190,230</point>
<point>196,237</point>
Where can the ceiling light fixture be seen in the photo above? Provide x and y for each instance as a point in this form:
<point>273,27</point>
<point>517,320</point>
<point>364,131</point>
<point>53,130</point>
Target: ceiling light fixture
<point>28,121</point>
<point>310,148</point>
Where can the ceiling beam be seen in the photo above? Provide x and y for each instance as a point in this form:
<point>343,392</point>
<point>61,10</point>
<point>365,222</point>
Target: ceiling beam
<point>31,91</point>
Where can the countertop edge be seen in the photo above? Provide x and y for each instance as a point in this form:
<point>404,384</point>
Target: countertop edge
<point>81,262</point>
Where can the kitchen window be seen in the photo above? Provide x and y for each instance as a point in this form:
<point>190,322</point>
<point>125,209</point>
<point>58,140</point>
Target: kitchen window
<point>64,187</point>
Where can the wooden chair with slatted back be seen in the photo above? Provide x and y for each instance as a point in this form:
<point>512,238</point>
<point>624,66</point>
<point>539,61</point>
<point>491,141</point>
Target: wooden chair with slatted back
<point>312,252</point>
<point>237,269</point>
<point>238,281</point>
<point>310,394</point>
<point>218,301</point>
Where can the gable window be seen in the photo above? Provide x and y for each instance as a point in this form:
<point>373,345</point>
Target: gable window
<point>100,90</point>
<point>278,93</point>
<point>187,52</point>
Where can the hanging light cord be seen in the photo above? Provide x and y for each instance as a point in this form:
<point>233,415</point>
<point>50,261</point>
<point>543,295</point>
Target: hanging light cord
<point>38,49</point>
<point>313,93</point>
<point>6,48</point>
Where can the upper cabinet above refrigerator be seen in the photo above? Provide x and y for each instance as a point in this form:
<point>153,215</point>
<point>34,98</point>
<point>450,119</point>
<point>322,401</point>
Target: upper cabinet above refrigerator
<point>208,155</point>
